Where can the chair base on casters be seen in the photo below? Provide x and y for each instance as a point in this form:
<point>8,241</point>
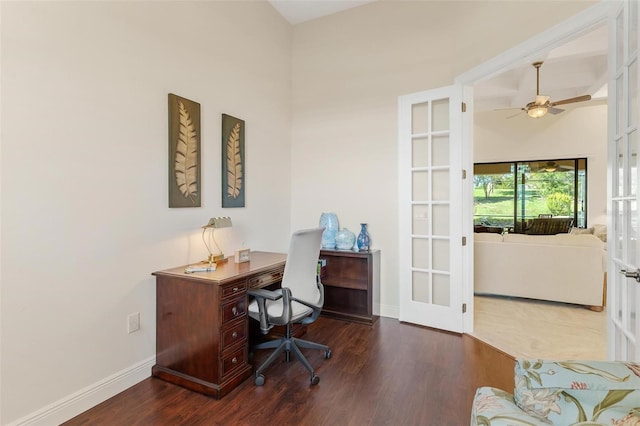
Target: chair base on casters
<point>289,344</point>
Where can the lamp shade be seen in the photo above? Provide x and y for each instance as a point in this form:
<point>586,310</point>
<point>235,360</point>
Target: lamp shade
<point>219,222</point>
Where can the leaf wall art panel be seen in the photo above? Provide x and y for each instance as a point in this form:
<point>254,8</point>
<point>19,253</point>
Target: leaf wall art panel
<point>184,152</point>
<point>233,164</point>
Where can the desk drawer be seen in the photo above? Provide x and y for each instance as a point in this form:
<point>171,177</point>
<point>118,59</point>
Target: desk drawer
<point>234,334</point>
<point>234,360</point>
<point>234,289</point>
<point>265,279</point>
<point>233,309</point>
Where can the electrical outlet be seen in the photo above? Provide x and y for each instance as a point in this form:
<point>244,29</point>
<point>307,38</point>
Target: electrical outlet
<point>133,322</point>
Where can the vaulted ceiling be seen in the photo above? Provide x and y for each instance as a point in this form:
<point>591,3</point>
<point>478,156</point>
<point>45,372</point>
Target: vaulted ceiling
<point>576,68</point>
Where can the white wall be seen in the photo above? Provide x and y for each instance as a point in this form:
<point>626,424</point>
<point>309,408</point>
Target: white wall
<point>580,131</point>
<point>85,217</point>
<point>348,71</point>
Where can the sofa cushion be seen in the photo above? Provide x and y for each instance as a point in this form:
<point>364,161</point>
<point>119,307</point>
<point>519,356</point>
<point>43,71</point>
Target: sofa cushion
<point>580,231</point>
<point>568,392</point>
<point>584,240</point>
<point>483,236</point>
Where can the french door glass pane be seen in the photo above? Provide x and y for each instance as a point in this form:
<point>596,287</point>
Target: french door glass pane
<point>619,40</point>
<point>619,100</point>
<point>440,150</point>
<point>420,253</point>
<point>420,224</point>
<point>420,287</point>
<point>618,301</point>
<point>632,232</point>
<point>619,175</point>
<point>441,289</point>
<point>420,118</point>
<point>440,115</point>
<point>420,188</point>
<point>631,297</point>
<point>632,115</point>
<point>633,162</point>
<point>633,27</point>
<point>440,216</point>
<point>441,255</point>
<point>440,188</point>
<point>420,152</point>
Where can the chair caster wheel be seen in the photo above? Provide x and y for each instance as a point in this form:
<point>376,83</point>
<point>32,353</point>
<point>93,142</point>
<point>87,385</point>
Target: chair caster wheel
<point>260,380</point>
<point>327,354</point>
<point>315,379</point>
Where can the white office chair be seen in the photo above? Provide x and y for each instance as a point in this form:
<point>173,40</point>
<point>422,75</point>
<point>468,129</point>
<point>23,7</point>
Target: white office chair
<point>299,300</point>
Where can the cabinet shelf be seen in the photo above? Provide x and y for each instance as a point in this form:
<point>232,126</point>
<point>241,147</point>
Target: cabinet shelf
<point>352,283</point>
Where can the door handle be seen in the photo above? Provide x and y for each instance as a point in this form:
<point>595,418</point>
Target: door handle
<point>631,274</point>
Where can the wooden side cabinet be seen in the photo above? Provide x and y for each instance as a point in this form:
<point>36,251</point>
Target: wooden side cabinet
<point>351,284</point>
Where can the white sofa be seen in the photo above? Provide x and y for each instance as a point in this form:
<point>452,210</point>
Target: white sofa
<point>561,268</point>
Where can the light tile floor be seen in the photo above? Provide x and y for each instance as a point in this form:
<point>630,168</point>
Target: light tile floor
<point>535,329</point>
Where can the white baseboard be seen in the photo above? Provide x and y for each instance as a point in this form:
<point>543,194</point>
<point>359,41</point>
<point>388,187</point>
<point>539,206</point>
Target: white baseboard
<point>79,402</point>
<point>389,311</point>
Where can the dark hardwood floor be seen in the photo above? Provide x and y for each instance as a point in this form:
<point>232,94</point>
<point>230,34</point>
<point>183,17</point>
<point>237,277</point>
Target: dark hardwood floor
<point>390,373</point>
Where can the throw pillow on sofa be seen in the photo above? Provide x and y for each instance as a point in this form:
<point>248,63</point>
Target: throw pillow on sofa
<point>600,231</point>
<point>578,392</point>
<point>580,231</point>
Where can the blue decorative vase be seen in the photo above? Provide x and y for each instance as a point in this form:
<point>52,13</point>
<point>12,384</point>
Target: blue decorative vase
<point>345,239</point>
<point>329,221</point>
<point>364,240</point>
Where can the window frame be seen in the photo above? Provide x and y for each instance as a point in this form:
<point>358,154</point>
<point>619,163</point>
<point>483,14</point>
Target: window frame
<point>580,182</point>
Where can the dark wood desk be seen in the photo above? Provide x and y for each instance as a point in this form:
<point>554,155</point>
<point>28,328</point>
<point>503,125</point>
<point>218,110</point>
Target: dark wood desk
<point>202,324</point>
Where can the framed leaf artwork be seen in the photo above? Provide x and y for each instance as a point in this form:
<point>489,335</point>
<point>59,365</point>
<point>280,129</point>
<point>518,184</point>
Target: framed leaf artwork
<point>233,164</point>
<point>184,152</point>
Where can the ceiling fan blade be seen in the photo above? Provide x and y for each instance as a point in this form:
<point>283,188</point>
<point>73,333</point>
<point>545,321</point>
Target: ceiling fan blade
<point>506,109</point>
<point>516,114</point>
<point>572,100</point>
<point>554,111</point>
<point>541,99</point>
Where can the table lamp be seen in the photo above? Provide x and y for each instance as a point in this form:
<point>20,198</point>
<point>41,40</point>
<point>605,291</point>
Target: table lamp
<point>214,223</point>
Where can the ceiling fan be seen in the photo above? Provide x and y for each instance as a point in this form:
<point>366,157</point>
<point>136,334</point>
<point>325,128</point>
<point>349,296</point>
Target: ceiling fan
<point>541,106</point>
<point>551,166</point>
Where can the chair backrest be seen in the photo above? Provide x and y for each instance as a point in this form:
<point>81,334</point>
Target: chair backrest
<point>302,264</point>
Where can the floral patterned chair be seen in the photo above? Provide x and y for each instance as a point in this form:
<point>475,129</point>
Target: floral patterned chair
<point>563,393</point>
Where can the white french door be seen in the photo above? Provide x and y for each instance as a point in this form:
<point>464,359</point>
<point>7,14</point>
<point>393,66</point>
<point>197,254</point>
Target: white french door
<point>430,208</point>
<point>623,249</point>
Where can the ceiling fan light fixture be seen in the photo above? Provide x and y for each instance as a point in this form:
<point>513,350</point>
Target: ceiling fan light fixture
<point>537,111</point>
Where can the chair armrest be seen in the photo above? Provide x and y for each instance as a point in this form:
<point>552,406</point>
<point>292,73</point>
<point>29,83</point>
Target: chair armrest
<point>317,307</point>
<point>264,294</point>
<point>261,296</point>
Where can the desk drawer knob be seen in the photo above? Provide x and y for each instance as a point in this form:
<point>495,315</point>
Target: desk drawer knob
<point>235,311</point>
<point>235,289</point>
<point>234,360</point>
<point>234,334</point>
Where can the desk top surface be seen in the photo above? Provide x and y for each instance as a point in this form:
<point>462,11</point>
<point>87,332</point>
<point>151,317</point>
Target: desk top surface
<point>229,270</point>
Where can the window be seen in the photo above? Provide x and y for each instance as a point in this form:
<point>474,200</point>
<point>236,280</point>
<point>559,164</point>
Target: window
<point>509,194</point>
